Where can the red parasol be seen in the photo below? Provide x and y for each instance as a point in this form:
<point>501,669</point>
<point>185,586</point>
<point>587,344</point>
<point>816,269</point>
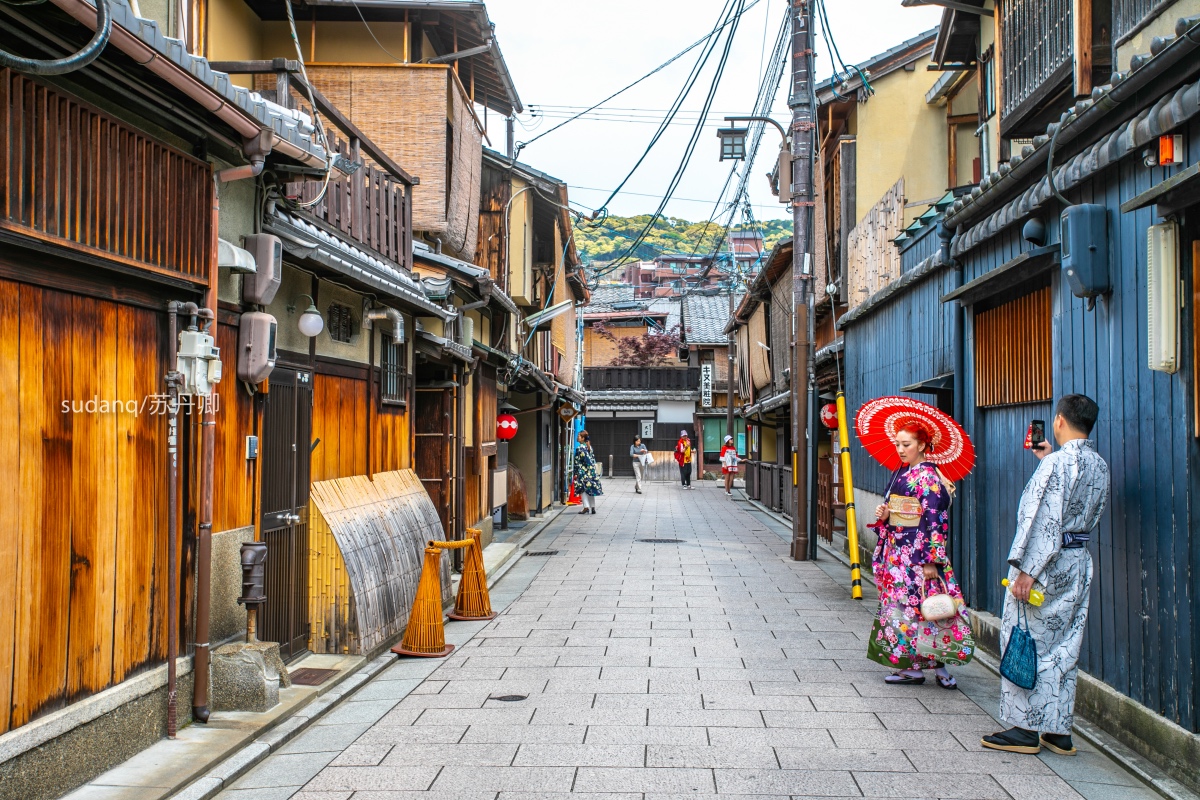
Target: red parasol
<point>878,421</point>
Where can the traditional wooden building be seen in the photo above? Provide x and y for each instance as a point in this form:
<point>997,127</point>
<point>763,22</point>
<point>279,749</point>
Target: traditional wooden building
<point>988,318</point>
<point>123,190</point>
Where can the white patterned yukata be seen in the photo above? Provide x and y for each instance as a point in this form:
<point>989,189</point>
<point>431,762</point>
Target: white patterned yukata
<point>1061,505</point>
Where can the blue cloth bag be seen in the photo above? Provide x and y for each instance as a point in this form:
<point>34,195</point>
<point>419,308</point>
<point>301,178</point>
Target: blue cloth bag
<point>1019,664</point>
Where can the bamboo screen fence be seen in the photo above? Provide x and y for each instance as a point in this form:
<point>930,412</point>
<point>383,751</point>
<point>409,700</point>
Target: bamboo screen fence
<point>1012,352</point>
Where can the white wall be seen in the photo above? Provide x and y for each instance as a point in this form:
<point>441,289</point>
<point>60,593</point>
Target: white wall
<point>676,411</point>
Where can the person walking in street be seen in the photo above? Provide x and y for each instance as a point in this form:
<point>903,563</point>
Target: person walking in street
<point>909,559</point>
<point>729,463</point>
<point>638,451</point>
<point>1059,509</point>
<point>587,481</point>
<point>683,457</point>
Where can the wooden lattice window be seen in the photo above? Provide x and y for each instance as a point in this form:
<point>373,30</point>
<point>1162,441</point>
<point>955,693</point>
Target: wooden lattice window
<point>393,373</point>
<point>1013,351</point>
<point>341,322</point>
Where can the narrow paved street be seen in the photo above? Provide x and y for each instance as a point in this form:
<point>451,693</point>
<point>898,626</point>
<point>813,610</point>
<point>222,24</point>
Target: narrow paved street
<point>621,668</point>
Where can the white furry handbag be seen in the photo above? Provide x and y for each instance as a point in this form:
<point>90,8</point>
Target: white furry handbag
<point>937,607</point>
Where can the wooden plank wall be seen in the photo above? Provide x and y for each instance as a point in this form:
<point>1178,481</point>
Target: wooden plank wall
<point>233,483</point>
<point>1142,628</point>
<point>82,498</point>
<point>80,178</point>
<point>340,421</point>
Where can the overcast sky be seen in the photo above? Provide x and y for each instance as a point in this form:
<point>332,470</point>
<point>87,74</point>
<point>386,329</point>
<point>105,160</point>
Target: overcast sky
<point>565,55</point>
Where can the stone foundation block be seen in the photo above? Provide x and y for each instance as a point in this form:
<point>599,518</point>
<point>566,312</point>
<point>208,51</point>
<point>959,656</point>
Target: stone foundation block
<point>247,676</point>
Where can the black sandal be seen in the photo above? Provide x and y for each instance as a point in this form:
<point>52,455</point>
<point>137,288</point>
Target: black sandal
<point>947,682</point>
<point>900,679</point>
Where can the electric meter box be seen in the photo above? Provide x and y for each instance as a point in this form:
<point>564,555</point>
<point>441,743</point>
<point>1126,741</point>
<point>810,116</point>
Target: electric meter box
<point>260,286</point>
<point>256,346</point>
<point>198,361</point>
<point>1084,234</point>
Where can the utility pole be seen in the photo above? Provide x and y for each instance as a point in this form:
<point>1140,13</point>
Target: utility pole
<point>801,101</point>
<point>729,376</point>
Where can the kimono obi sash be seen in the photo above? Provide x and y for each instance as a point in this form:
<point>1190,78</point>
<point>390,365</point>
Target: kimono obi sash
<point>905,511</point>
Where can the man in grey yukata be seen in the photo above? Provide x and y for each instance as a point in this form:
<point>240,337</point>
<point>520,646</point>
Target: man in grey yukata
<point>1059,508</point>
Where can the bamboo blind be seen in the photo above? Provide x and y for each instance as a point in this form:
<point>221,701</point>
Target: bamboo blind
<point>1012,352</point>
<point>760,366</point>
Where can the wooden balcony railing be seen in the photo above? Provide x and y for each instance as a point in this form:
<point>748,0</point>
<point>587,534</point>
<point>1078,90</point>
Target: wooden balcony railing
<point>600,379</point>
<point>1127,15</point>
<point>78,178</point>
<point>1037,50</point>
<point>370,206</point>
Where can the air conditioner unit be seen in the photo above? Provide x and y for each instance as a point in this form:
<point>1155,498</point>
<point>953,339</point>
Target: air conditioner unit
<point>1162,292</point>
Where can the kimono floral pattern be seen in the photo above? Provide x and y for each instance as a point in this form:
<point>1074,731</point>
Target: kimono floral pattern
<point>586,480</point>
<point>897,565</point>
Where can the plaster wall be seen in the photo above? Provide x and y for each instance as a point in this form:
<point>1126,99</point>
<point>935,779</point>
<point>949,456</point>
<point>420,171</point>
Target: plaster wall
<point>1162,25</point>
<point>900,135</point>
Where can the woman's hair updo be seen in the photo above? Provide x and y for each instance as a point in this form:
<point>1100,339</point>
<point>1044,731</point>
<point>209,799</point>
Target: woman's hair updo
<point>920,433</point>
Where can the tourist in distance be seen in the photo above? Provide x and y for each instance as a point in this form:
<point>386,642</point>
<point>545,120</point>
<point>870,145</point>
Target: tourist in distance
<point>638,451</point>
<point>587,480</point>
<point>683,457</point>
<point>729,463</point>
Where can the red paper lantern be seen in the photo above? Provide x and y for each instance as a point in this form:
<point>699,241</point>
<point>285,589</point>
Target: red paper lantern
<point>829,416</point>
<point>506,427</point>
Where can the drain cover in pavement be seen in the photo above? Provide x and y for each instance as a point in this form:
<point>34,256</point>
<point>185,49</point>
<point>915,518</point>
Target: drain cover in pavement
<point>510,698</point>
<point>311,677</point>
<point>661,541</point>
<point>541,553</point>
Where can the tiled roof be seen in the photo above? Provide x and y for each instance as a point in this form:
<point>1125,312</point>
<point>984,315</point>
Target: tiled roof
<point>283,123</point>
<point>603,298</point>
<point>705,316</point>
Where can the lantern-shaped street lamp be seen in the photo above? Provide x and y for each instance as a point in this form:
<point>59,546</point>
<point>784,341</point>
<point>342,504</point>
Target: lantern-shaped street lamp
<point>506,427</point>
<point>733,144</point>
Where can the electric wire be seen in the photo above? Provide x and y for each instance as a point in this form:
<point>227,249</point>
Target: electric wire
<point>373,36</point>
<point>690,148</point>
<point>316,117</point>
<point>78,60</point>
<point>711,35</point>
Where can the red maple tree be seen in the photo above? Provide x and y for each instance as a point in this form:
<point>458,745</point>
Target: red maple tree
<point>647,350</point>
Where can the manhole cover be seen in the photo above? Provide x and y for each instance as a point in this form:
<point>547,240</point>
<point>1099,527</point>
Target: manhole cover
<point>540,553</point>
<point>309,676</point>
<point>510,698</point>
<point>661,541</point>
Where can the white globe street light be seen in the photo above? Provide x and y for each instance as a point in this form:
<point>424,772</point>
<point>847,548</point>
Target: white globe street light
<point>310,322</point>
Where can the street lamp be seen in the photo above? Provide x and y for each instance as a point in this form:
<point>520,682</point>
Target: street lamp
<point>733,144</point>
<point>310,322</point>
<point>733,147</point>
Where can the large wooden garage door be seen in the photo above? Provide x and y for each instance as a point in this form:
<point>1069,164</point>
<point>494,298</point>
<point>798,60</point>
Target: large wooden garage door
<point>613,437</point>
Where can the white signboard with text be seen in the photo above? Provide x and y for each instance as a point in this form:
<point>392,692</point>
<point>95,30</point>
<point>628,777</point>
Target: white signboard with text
<point>706,381</point>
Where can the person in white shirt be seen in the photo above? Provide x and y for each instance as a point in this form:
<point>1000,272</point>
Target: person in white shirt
<point>637,451</point>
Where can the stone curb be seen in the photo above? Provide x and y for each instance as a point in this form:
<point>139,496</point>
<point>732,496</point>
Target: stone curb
<point>223,774</point>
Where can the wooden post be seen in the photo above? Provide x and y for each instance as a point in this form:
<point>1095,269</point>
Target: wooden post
<point>1081,21</point>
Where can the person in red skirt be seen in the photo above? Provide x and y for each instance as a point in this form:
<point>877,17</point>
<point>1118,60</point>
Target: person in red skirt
<point>729,463</point>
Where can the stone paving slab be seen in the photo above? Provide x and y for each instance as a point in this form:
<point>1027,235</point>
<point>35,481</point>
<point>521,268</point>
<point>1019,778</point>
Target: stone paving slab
<point>717,668</point>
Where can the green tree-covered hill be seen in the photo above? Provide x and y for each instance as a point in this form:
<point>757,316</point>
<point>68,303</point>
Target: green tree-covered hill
<point>611,238</point>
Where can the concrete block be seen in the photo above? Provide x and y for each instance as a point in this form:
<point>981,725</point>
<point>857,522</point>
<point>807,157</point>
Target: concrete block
<point>246,676</point>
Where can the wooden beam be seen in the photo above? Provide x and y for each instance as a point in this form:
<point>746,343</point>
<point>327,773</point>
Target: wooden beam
<point>952,154</point>
<point>962,119</point>
<point>1081,19</point>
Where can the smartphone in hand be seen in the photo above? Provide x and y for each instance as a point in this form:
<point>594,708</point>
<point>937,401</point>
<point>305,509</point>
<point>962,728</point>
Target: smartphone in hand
<point>1036,435</point>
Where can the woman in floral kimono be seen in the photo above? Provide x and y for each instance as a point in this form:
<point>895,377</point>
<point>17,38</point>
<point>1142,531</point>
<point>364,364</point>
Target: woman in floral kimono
<point>911,556</point>
<point>587,482</point>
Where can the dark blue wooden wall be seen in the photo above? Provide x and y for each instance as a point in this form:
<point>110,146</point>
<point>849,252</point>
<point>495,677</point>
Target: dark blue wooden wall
<point>907,340</point>
<point>1142,635</point>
